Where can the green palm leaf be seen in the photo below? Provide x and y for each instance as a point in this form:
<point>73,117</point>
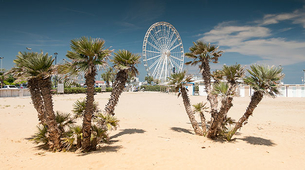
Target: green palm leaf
<point>264,79</point>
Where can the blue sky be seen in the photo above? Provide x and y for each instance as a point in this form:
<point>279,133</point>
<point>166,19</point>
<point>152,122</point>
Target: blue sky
<point>259,31</point>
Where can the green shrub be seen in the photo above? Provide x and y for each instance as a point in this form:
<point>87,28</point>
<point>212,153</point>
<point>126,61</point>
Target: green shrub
<point>75,90</point>
<point>108,89</point>
<point>151,87</point>
<point>98,89</point>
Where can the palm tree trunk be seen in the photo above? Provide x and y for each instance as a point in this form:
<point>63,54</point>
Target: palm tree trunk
<point>212,98</point>
<point>117,90</point>
<point>203,123</point>
<point>226,104</point>
<point>190,113</point>
<point>255,99</point>
<point>37,100</point>
<point>78,142</point>
<point>90,78</point>
<point>54,132</point>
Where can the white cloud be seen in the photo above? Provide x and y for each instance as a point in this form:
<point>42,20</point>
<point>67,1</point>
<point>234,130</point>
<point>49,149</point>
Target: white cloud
<point>273,51</point>
<point>234,35</point>
<point>297,17</point>
<point>257,40</point>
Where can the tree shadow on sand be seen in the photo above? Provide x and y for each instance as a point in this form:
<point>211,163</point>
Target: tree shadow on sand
<point>102,149</point>
<point>257,141</point>
<point>181,130</point>
<point>127,132</point>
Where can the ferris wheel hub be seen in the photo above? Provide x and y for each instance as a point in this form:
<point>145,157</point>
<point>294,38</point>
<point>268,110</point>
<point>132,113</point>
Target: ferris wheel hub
<point>166,53</point>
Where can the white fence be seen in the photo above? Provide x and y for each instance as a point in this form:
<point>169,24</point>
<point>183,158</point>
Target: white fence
<point>14,92</point>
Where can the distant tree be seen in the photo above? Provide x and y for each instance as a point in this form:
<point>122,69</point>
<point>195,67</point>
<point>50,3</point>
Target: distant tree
<point>149,79</point>
<point>10,79</point>
<point>156,81</point>
<point>108,76</point>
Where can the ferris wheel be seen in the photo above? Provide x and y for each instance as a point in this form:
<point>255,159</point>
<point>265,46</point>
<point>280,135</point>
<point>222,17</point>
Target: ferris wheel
<point>163,52</point>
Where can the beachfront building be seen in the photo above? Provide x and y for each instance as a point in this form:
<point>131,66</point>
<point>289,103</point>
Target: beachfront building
<point>286,90</point>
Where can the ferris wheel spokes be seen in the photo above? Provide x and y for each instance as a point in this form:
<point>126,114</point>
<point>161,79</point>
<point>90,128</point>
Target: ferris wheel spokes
<point>161,54</point>
<point>153,57</point>
<point>176,58</point>
<point>158,60</point>
<point>157,52</point>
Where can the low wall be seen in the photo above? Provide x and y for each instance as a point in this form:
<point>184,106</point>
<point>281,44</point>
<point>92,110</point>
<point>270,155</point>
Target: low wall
<point>14,92</point>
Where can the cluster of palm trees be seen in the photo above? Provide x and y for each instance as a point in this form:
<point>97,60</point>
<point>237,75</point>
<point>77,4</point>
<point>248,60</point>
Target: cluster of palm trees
<point>263,79</point>
<point>86,56</point>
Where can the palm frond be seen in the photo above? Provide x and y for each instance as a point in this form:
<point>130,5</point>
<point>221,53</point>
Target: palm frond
<point>202,52</point>
<point>199,107</point>
<point>220,88</point>
<point>41,135</point>
<point>264,78</point>
<point>125,60</point>
<point>79,108</point>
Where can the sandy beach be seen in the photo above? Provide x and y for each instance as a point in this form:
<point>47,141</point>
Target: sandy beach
<point>155,133</point>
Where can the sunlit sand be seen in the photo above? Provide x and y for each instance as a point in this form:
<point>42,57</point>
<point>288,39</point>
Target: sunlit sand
<point>155,133</point>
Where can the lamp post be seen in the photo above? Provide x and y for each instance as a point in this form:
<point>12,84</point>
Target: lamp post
<point>1,70</point>
<point>304,77</point>
<point>55,64</point>
<point>55,57</point>
<point>1,63</point>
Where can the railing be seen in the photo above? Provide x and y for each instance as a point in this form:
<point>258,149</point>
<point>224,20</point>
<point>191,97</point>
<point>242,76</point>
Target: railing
<point>14,92</point>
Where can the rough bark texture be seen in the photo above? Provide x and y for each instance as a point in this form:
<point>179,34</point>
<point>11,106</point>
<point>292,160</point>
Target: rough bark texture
<point>54,132</point>
<point>94,144</point>
<point>255,99</point>
<point>189,111</point>
<point>78,142</point>
<point>226,104</point>
<point>203,123</point>
<point>37,100</point>
<point>206,75</point>
<point>117,90</point>
<point>90,78</point>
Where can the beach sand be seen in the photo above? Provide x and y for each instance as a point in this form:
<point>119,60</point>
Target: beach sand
<point>155,133</point>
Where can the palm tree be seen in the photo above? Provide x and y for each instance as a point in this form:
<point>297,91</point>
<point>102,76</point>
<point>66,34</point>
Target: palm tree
<point>179,80</point>
<point>38,68</point>
<point>108,76</point>
<point>203,54</point>
<point>200,108</point>
<point>149,79</point>
<point>86,55</point>
<point>22,73</point>
<point>125,62</point>
<point>264,80</point>
<point>224,86</point>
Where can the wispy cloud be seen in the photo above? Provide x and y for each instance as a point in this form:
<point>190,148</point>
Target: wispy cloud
<point>297,17</point>
<point>128,25</point>
<point>258,40</point>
